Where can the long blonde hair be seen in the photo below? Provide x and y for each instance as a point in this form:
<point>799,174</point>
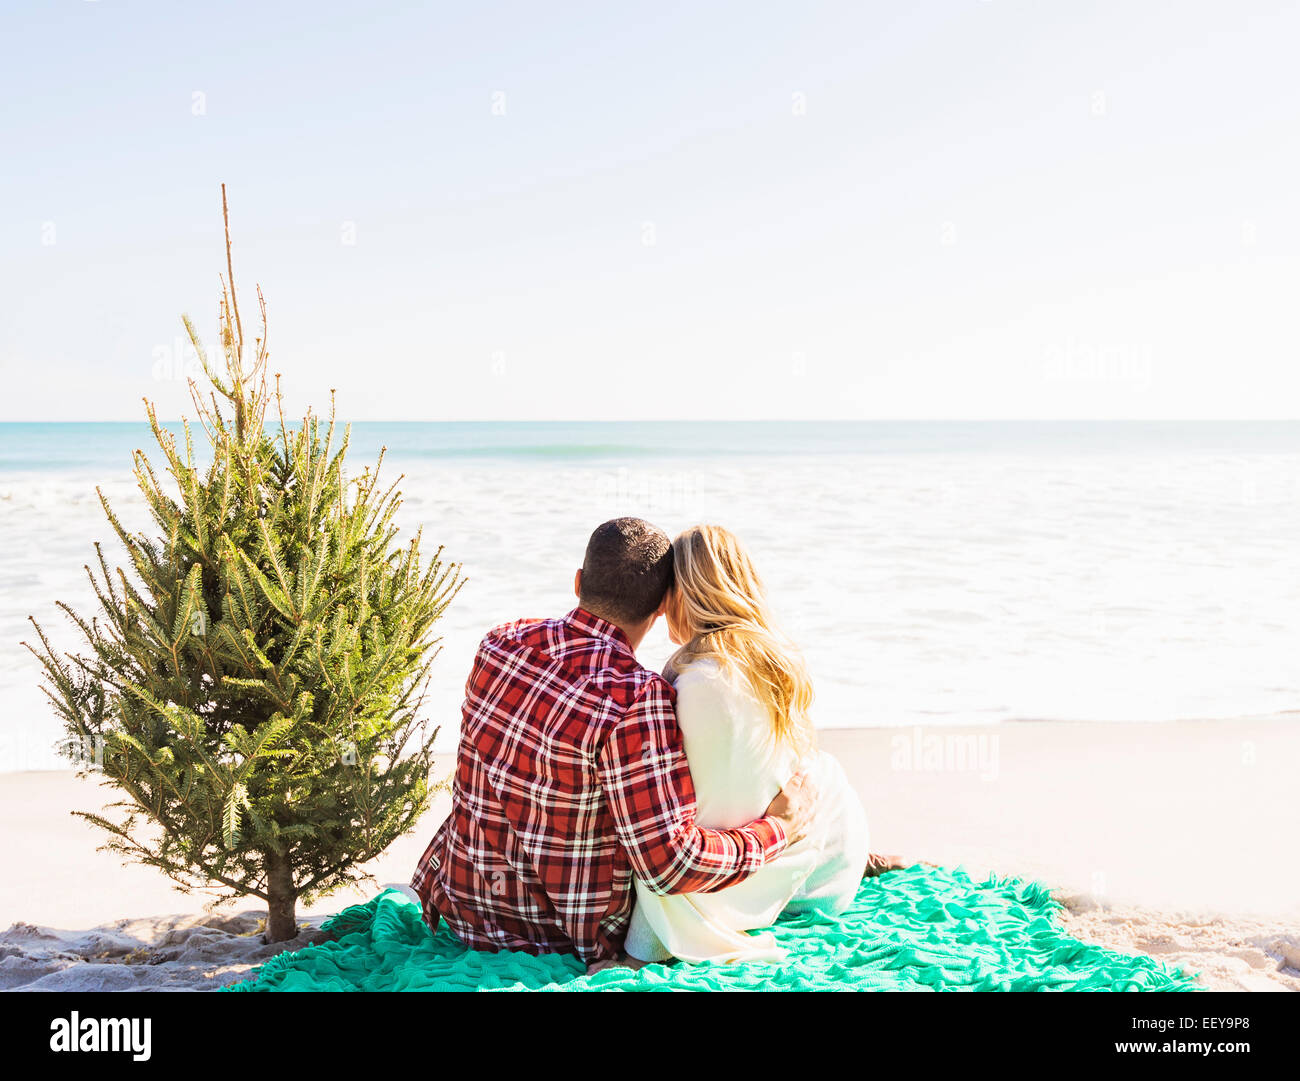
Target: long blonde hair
<point>719,599</point>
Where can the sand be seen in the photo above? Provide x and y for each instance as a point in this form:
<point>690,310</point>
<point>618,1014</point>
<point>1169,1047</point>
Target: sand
<point>1175,840</point>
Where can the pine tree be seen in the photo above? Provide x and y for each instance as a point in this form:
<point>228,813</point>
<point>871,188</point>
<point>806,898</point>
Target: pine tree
<point>253,687</point>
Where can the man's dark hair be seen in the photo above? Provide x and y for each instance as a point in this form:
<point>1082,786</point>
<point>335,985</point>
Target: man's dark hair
<point>626,571</point>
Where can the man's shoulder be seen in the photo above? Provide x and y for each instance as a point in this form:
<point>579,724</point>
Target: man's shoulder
<point>603,665</point>
<point>550,636</point>
<point>513,632</point>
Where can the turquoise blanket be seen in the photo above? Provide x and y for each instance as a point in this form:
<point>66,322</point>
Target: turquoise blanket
<point>922,929</point>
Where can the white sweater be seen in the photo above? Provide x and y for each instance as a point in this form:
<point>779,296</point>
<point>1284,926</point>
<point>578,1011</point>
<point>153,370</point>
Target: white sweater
<point>738,768</point>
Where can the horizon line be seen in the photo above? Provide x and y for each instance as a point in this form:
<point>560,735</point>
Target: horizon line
<point>731,420</point>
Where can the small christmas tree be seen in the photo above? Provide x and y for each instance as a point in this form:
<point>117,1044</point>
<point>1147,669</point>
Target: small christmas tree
<point>254,688</point>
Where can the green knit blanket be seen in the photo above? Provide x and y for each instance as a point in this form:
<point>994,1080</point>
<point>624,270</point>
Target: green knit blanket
<point>922,929</point>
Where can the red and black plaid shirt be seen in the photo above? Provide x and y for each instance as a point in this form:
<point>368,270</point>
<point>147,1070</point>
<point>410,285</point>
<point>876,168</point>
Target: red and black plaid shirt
<point>570,778</point>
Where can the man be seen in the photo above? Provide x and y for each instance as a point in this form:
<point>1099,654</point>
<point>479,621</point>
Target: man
<point>570,775</point>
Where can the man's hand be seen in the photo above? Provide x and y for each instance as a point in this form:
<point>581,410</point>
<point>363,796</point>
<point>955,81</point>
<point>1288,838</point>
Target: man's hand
<point>794,807</point>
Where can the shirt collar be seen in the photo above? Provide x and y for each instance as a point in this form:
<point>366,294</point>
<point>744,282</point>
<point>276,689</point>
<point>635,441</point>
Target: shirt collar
<point>582,620</point>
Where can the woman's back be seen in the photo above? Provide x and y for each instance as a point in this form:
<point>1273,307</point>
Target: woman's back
<point>736,762</point>
<point>737,766</point>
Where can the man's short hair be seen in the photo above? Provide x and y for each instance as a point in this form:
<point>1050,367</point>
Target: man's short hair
<point>626,571</point>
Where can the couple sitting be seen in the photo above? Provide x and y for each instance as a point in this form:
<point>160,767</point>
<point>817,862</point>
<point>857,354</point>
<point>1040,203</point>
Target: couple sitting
<point>580,789</point>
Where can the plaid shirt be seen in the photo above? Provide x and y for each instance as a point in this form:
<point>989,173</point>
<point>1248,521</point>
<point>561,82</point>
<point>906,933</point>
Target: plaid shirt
<point>570,778</point>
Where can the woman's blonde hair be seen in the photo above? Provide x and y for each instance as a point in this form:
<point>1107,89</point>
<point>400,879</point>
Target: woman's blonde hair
<point>718,598</point>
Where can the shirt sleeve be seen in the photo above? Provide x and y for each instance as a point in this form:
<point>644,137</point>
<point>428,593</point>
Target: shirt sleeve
<point>647,782</point>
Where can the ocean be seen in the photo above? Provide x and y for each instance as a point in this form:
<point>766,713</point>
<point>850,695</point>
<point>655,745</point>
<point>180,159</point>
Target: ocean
<point>933,572</point>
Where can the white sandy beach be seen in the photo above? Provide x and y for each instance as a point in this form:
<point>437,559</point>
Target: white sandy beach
<point>1172,839</point>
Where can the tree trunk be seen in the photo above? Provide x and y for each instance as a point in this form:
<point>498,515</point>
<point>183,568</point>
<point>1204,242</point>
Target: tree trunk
<point>282,903</point>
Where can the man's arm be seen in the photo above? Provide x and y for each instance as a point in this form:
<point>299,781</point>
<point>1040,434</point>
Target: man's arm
<point>647,781</point>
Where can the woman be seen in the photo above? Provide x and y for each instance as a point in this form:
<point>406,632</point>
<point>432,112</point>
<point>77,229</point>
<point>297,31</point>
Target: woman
<point>743,697</point>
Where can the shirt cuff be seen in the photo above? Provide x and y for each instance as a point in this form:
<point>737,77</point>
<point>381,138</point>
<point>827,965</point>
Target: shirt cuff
<point>770,835</point>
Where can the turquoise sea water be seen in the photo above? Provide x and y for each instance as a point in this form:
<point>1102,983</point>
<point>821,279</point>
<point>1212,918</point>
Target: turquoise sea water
<point>54,447</point>
<point>931,571</point>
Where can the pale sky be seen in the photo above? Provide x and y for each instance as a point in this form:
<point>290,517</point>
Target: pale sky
<point>958,209</point>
